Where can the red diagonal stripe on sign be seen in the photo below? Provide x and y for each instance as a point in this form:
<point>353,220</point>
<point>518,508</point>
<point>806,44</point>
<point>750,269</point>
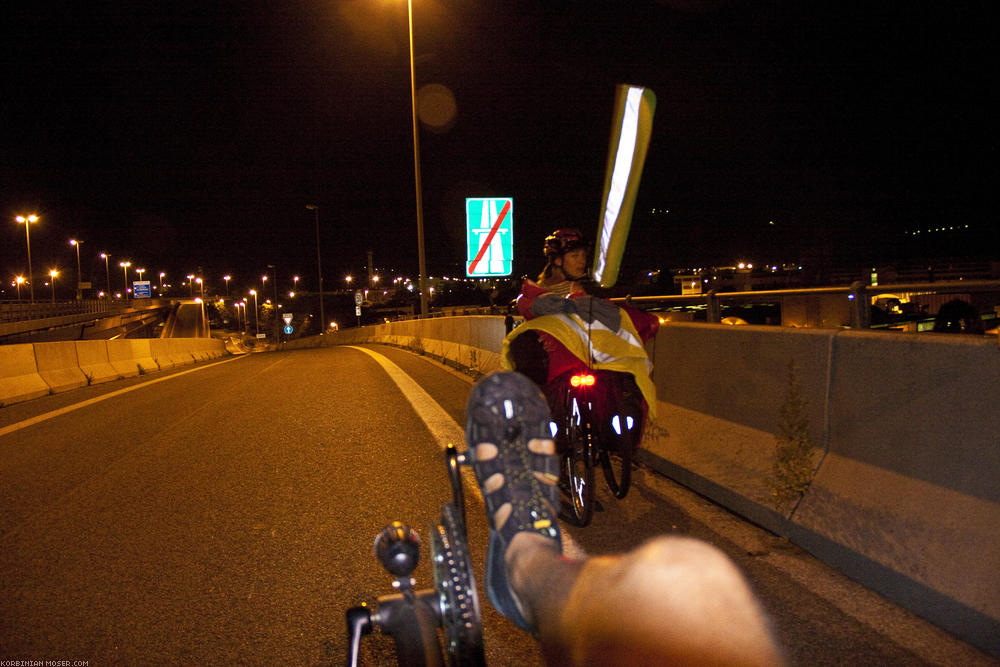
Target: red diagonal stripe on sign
<point>489,237</point>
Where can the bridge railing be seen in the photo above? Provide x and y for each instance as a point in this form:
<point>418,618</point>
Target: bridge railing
<point>18,311</point>
<point>822,307</point>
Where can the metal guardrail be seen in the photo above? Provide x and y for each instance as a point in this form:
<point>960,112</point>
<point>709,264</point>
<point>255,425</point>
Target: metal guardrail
<point>19,311</point>
<point>858,293</point>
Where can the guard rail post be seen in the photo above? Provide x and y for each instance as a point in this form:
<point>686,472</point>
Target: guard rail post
<point>861,312</point>
<point>714,314</point>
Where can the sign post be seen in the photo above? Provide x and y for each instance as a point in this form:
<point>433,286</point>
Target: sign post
<point>489,224</point>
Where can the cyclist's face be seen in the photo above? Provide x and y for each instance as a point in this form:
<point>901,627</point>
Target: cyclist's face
<point>574,263</point>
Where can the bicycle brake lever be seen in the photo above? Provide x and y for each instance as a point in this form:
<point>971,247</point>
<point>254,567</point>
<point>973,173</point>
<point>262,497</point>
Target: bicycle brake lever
<point>359,623</point>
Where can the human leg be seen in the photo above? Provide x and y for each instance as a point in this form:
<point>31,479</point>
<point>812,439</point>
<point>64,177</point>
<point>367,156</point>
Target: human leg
<point>671,600</point>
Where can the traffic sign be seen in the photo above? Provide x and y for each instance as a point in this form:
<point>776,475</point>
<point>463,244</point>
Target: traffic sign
<point>489,224</point>
<point>141,289</point>
<point>288,329</point>
<point>358,298</point>
<point>287,317</point>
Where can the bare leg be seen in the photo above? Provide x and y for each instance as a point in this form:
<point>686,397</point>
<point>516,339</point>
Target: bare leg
<point>673,600</point>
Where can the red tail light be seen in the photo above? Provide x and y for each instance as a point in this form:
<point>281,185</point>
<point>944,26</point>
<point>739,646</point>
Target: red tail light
<point>583,380</point>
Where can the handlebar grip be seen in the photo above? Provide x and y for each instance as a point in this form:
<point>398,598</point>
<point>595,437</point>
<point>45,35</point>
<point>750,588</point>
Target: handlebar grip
<point>398,549</point>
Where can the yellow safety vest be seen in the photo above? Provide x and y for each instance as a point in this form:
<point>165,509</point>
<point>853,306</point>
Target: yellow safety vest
<point>620,350</point>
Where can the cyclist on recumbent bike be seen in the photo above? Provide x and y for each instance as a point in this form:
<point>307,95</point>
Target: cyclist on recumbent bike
<point>566,332</point>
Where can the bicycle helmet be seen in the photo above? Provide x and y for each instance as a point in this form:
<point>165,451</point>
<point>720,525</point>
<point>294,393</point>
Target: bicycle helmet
<point>562,241</point>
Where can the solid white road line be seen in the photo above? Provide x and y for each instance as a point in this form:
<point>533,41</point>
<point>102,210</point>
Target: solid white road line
<point>445,430</point>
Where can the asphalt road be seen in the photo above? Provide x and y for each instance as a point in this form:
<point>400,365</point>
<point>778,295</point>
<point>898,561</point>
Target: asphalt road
<point>224,513</point>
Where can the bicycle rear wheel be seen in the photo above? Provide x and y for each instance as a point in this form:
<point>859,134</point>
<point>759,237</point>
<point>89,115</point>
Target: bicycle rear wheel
<point>578,469</point>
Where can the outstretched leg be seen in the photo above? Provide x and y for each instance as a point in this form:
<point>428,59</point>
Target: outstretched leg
<point>672,600</point>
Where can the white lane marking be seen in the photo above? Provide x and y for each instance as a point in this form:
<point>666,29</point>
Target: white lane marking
<point>103,397</point>
<point>446,430</point>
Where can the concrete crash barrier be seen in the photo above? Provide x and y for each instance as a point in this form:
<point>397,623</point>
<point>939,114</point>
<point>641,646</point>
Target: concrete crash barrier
<point>19,378</point>
<point>33,370</point>
<point>131,357</point>
<point>59,366</point>
<point>905,427</point>
<point>162,354</point>
<point>93,358</point>
<point>471,341</point>
<point>907,497</point>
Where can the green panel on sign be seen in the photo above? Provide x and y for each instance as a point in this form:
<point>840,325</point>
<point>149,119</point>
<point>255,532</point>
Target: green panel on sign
<point>489,225</point>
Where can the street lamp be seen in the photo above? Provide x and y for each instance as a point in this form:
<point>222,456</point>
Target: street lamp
<point>191,284</point>
<point>227,279</point>
<point>79,278</point>
<point>421,259</point>
<point>256,319</point>
<point>27,220</point>
<point>162,273</point>
<point>125,266</point>
<point>319,263</point>
<point>107,271</point>
<point>201,285</point>
<point>52,274</point>
<point>19,280</point>
<point>236,305</point>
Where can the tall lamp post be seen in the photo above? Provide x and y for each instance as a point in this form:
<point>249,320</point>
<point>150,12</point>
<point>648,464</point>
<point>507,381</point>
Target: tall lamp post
<point>52,275</point>
<point>107,272</point>
<point>319,269</point>
<point>274,281</point>
<point>79,277</point>
<point>19,280</point>
<point>27,220</point>
<point>227,279</point>
<point>256,319</point>
<point>125,266</point>
<point>421,259</point>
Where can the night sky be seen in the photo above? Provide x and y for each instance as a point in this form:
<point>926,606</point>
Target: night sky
<point>190,136</point>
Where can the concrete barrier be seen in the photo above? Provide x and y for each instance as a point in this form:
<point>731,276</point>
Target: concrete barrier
<point>59,366</point>
<point>93,358</point>
<point>131,357</point>
<point>162,354</point>
<point>19,378</point>
<point>907,496</point>
<point>32,370</point>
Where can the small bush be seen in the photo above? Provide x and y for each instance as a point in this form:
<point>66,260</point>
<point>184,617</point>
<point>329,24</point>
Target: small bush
<point>793,468</point>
